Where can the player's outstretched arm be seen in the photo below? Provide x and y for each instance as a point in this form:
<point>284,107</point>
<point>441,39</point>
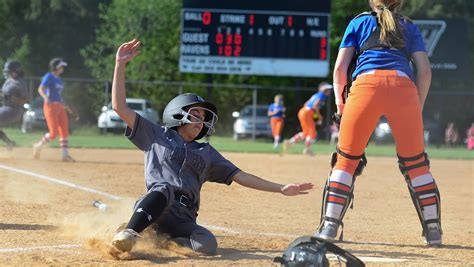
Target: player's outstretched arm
<point>252,181</point>
<point>125,53</point>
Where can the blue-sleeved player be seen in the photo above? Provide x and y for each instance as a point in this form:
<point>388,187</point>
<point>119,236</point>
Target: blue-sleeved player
<point>176,166</point>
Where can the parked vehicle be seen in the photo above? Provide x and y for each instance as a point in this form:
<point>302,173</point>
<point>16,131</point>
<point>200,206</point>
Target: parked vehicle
<point>383,133</point>
<point>33,118</point>
<point>245,124</point>
<point>110,120</point>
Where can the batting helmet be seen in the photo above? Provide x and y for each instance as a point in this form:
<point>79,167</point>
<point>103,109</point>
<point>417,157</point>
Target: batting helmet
<point>310,251</point>
<point>12,66</point>
<point>176,113</point>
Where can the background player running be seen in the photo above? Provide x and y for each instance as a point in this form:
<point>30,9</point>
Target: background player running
<point>384,85</point>
<point>176,166</point>
<point>306,116</point>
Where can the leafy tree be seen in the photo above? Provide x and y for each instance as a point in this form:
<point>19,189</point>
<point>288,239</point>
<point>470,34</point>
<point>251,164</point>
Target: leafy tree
<point>35,31</point>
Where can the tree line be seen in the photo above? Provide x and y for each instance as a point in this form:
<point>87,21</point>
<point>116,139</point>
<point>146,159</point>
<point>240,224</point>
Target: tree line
<point>86,34</point>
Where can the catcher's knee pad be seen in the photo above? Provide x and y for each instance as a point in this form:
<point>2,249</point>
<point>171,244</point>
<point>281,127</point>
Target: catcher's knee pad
<point>425,194</point>
<point>360,167</point>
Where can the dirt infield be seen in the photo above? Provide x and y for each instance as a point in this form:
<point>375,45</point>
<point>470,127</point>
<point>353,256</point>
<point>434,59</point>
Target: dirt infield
<point>49,222</point>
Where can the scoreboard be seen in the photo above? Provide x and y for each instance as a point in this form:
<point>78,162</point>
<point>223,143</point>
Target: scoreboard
<point>255,37</point>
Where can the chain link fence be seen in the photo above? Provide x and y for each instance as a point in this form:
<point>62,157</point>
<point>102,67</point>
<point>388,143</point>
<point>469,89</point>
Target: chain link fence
<point>88,96</point>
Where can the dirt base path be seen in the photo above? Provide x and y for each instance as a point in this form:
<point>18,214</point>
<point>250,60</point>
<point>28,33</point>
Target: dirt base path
<point>46,216</point>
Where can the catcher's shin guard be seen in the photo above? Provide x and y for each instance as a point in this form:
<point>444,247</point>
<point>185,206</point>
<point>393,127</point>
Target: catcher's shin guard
<point>424,194</point>
<point>339,193</point>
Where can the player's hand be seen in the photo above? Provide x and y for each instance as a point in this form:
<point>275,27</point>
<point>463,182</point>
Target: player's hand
<point>127,51</point>
<point>296,189</point>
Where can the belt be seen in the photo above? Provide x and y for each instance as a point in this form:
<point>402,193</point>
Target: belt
<point>184,200</point>
<point>368,72</point>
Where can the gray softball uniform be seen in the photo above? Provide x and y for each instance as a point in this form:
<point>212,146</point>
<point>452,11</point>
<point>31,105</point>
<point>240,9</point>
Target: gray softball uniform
<point>178,170</point>
<point>11,112</point>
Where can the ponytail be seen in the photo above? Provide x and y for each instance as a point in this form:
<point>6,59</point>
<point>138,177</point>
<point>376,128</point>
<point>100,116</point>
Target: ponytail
<point>391,32</point>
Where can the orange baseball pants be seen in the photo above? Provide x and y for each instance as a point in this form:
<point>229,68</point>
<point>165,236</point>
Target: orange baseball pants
<point>381,94</point>
<point>56,118</point>
<point>308,127</point>
<point>277,126</point>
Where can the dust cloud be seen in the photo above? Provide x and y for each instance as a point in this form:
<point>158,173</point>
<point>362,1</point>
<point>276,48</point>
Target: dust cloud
<point>96,229</point>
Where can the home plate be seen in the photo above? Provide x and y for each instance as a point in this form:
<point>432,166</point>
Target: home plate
<point>333,257</point>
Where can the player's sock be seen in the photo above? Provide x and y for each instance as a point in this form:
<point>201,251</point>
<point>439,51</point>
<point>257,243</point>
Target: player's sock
<point>148,211</point>
<point>64,146</point>
<point>340,180</point>
<point>296,138</point>
<point>43,140</point>
<point>276,142</point>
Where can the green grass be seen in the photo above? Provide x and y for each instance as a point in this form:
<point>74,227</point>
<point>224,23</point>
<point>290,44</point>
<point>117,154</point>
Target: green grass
<point>89,137</point>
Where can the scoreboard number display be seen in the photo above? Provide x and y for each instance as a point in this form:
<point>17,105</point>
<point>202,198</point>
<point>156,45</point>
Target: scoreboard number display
<point>258,37</point>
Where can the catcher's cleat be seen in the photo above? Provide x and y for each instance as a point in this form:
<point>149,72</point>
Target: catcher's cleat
<point>68,158</point>
<point>36,150</point>
<point>433,236</point>
<point>125,239</point>
<point>328,231</point>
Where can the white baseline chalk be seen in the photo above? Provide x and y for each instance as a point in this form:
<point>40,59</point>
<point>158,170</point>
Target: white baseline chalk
<point>61,182</point>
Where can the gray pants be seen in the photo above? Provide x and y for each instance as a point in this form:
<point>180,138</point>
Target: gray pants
<point>187,233</point>
<point>10,114</point>
<point>180,224</point>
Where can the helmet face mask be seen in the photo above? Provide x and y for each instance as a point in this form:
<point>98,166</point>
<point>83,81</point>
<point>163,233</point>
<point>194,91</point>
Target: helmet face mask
<point>177,113</point>
<point>210,118</point>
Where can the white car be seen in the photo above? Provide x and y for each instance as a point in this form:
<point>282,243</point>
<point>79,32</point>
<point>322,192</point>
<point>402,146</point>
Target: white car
<point>110,120</point>
<point>245,125</point>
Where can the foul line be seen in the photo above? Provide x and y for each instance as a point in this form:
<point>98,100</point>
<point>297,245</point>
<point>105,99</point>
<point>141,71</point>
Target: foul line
<point>27,249</point>
<point>61,182</point>
<point>114,197</point>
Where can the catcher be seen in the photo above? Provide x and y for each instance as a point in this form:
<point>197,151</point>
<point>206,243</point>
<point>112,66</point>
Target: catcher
<point>176,166</point>
<point>384,85</point>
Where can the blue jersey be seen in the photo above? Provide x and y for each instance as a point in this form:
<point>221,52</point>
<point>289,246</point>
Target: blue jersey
<point>360,29</point>
<point>318,96</point>
<point>54,87</point>
<point>276,107</point>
